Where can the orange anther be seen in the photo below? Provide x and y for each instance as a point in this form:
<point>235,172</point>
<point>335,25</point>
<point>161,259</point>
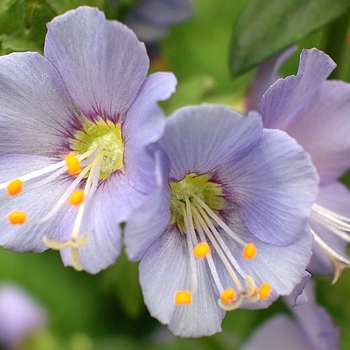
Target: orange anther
<point>201,250</point>
<point>73,164</point>
<point>76,197</point>
<point>228,295</point>
<point>17,217</point>
<point>249,251</point>
<point>14,187</point>
<point>183,297</point>
<point>265,290</point>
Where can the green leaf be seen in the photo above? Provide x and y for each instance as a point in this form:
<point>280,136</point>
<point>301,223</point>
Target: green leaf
<point>264,28</point>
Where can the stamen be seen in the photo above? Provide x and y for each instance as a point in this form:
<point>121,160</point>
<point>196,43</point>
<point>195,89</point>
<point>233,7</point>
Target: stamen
<point>228,295</point>
<point>15,187</point>
<point>338,261</point>
<point>74,244</point>
<point>209,228</point>
<point>249,251</point>
<point>183,297</point>
<point>17,217</point>
<point>265,291</point>
<point>73,164</point>
<point>218,220</point>
<point>330,218</point>
<point>76,197</point>
<point>191,234</point>
<point>233,306</point>
<point>201,250</point>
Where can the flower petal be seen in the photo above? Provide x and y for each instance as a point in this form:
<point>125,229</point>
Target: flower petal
<point>199,138</point>
<point>324,128</point>
<point>316,323</point>
<point>108,207</point>
<point>20,316</point>
<point>150,19</point>
<point>36,203</point>
<point>284,101</point>
<point>150,220</point>
<point>166,269</point>
<point>101,62</point>
<point>277,331</point>
<point>37,112</point>
<point>266,75</point>
<point>144,124</point>
<point>272,195</point>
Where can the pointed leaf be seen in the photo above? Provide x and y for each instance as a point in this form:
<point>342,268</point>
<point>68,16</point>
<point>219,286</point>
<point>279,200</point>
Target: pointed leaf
<point>264,28</point>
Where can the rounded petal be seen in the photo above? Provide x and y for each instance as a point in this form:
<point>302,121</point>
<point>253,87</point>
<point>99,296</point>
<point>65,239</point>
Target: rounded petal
<point>324,128</point>
<point>143,125</point>
<point>36,111</point>
<point>166,269</point>
<point>152,217</point>
<point>336,197</point>
<point>150,19</point>
<point>272,195</point>
<point>284,101</point>
<point>20,315</point>
<point>101,62</point>
<point>199,138</point>
<point>278,331</point>
<point>107,208</point>
<point>266,75</point>
<point>36,203</point>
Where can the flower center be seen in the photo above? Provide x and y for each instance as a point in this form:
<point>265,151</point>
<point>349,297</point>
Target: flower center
<point>103,135</point>
<point>194,185</point>
<point>195,206</point>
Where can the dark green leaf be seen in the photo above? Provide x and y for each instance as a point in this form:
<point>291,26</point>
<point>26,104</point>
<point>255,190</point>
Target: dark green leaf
<point>264,28</point>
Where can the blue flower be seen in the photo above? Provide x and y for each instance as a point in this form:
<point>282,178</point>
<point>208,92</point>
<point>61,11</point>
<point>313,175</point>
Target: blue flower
<point>75,127</point>
<point>151,19</point>
<point>227,227</point>
<point>316,113</point>
<point>309,328</point>
<point>20,316</point>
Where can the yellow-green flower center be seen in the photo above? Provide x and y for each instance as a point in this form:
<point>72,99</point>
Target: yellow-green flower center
<point>105,136</point>
<point>189,187</point>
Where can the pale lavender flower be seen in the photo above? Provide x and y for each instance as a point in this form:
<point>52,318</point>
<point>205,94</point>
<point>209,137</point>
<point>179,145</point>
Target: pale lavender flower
<point>316,113</point>
<point>75,127</point>
<point>151,19</point>
<point>20,315</point>
<point>309,328</point>
<point>227,226</point>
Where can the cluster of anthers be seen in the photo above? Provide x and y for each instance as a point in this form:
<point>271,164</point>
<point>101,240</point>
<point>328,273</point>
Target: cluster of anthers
<point>96,152</point>
<point>340,226</point>
<point>195,205</point>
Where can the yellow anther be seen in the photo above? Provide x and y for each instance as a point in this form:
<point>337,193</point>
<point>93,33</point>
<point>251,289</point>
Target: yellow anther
<point>73,164</point>
<point>228,295</point>
<point>17,217</point>
<point>76,197</point>
<point>249,251</point>
<point>15,187</point>
<point>201,250</point>
<point>183,297</point>
<point>265,290</point>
